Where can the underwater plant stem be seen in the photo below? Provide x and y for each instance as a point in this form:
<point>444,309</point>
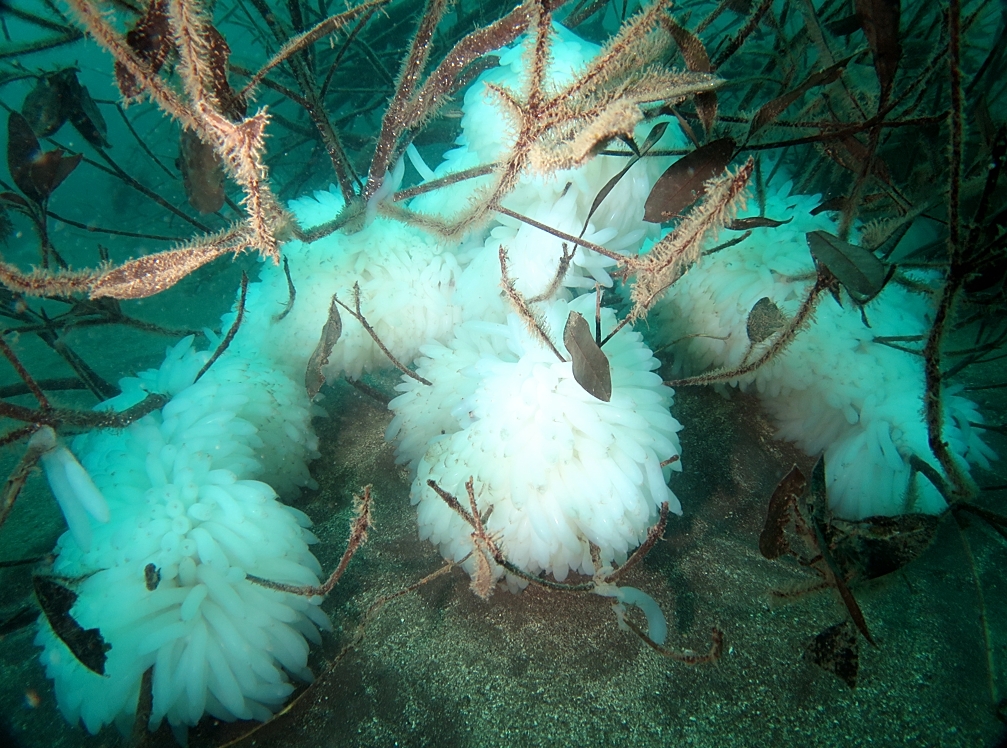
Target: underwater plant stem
<point>654,534</point>
<point>955,71</point>
<point>27,378</point>
<point>113,232</point>
<point>445,181</point>
<point>358,536</point>
<point>735,44</point>
<point>314,107</point>
<point>559,234</point>
<point>933,398</point>
<point>139,141</point>
<point>359,317</point>
<point>115,170</point>
<point>231,332</point>
<point>983,620</point>
<point>397,119</point>
<point>685,656</point>
<point>16,480</point>
<point>520,305</point>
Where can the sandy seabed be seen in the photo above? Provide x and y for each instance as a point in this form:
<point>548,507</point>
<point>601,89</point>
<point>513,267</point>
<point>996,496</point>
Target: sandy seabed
<point>440,667</point>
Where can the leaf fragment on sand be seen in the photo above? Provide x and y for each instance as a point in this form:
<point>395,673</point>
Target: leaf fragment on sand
<point>772,541</point>
<point>331,330</point>
<point>837,651</point>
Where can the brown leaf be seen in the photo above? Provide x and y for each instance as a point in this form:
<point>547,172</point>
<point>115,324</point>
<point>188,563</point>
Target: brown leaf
<point>13,199</point>
<point>655,134</point>
<point>697,60</point>
<point>836,651</point>
<point>202,173</point>
<point>231,105</point>
<point>331,330</point>
<point>35,173</point>
<point>877,546</point>
<point>151,40</point>
<point>59,97</point>
<point>706,108</point>
<point>837,202</point>
<point>772,109</point>
<point>755,222</point>
<point>684,181</point>
<point>51,168</point>
<point>590,364</point>
<point>772,541</point>
<point>87,645</point>
<point>22,150</point>
<point>43,107</point>
<point>860,271</point>
<point>764,320</point>
<point>880,20</point>
<point>84,114</point>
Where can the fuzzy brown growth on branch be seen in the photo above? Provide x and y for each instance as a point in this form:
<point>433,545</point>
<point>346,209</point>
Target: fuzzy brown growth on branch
<point>673,255</point>
<point>207,106</point>
<point>413,104</point>
<point>560,128</point>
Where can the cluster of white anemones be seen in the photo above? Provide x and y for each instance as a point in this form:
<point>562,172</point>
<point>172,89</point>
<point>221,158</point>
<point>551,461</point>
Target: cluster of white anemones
<point>555,469</point>
<point>182,484</point>
<point>835,389</point>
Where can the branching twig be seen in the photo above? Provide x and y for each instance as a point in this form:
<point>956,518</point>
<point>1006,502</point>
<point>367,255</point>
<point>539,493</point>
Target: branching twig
<point>238,317</point>
<point>358,536</point>
<point>359,317</point>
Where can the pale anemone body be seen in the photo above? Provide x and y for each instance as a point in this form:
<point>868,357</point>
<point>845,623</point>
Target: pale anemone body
<point>834,389</point>
<point>561,200</point>
<point>558,468</point>
<point>181,497</point>
<point>406,279</point>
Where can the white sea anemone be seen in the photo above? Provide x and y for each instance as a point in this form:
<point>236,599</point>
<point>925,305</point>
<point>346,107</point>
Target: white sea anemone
<point>180,498</point>
<point>407,282</point>
<point>406,279</point>
<point>835,389</point>
<point>562,200</point>
<point>556,468</point>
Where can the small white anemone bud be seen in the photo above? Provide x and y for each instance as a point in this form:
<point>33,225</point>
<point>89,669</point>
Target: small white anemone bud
<point>73,488</point>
